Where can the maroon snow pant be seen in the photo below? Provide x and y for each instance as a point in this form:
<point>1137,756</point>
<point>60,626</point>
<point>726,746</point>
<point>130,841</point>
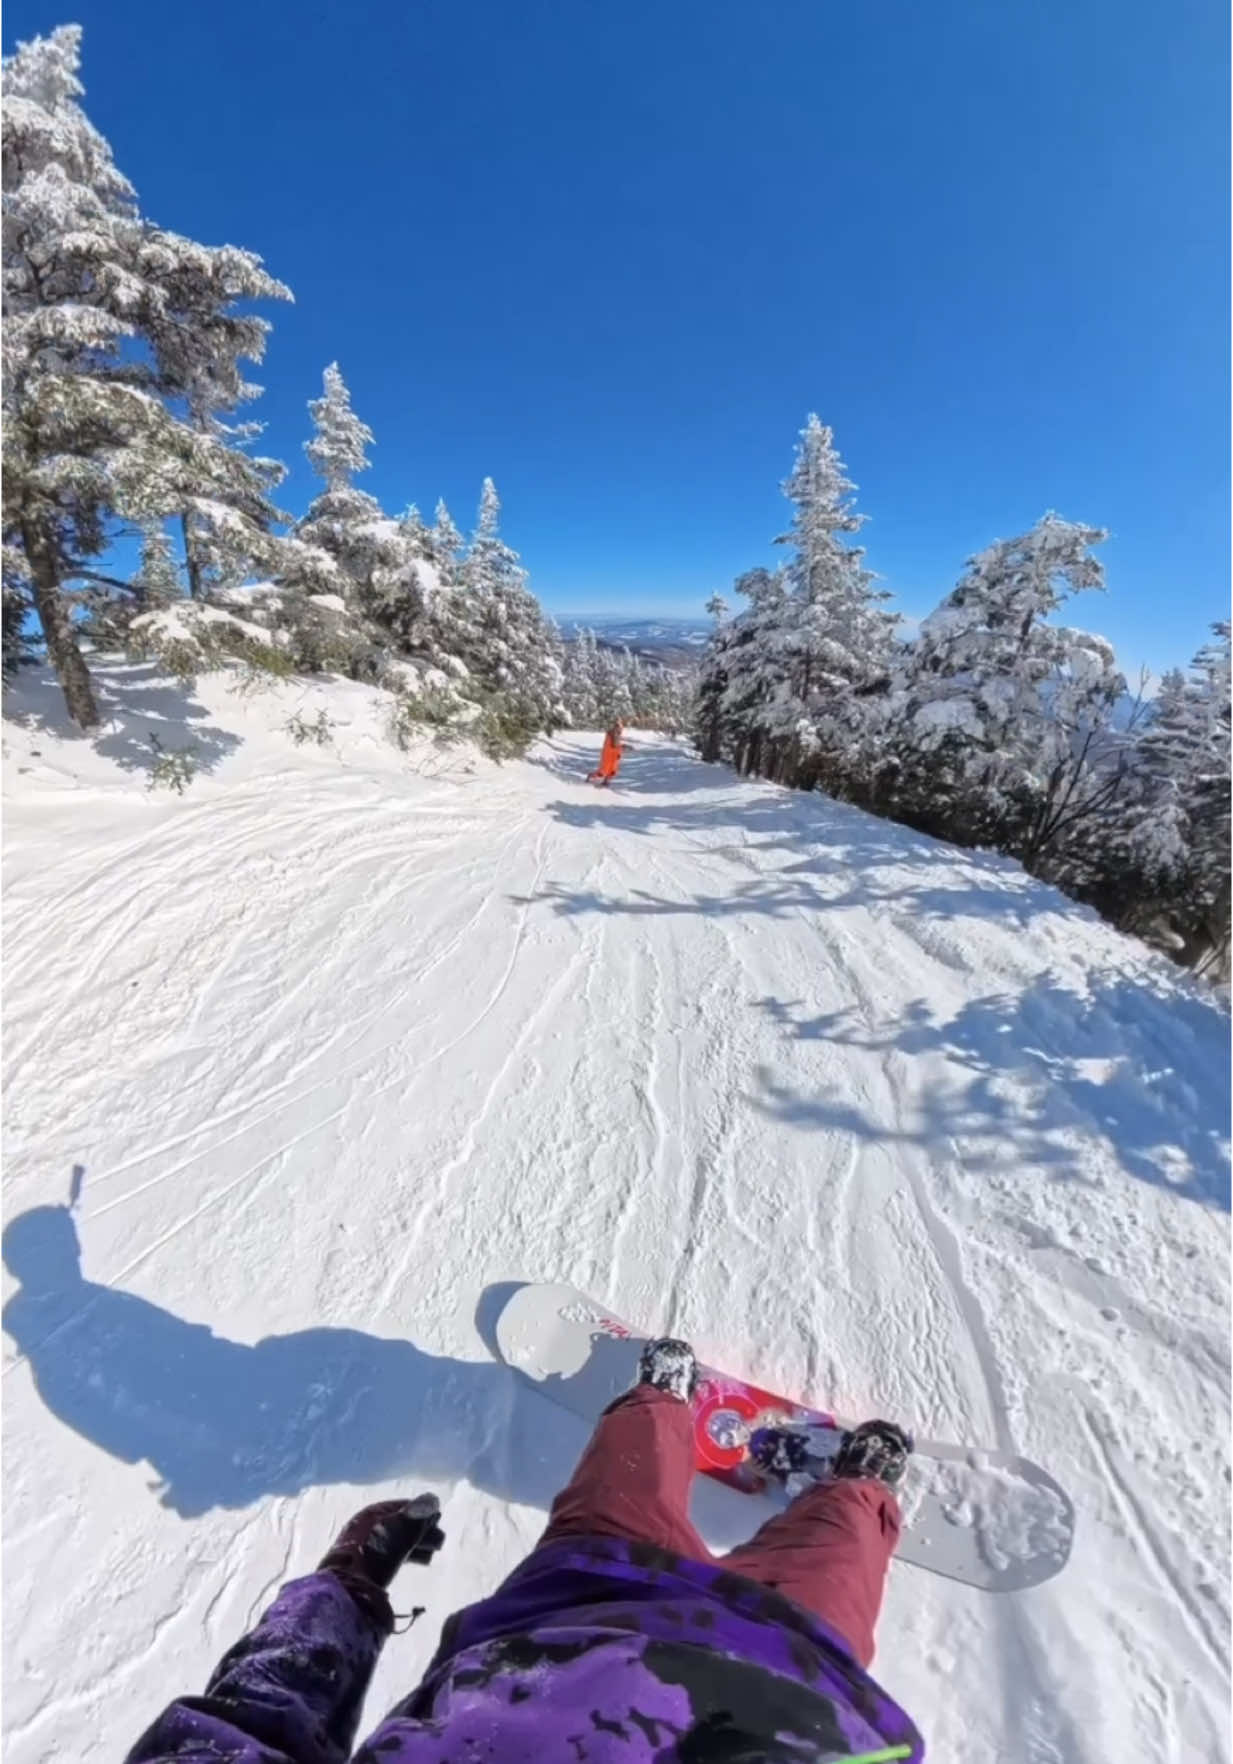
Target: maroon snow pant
<point>829,1551</point>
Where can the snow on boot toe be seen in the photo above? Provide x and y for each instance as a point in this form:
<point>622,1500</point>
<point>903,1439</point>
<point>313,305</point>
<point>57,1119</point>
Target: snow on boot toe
<point>669,1365</point>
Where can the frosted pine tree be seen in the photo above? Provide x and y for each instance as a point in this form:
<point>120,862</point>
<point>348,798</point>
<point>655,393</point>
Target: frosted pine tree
<point>345,559</point>
<point>981,660</point>
<point>1175,833</point>
<point>592,714</point>
<point>1154,824</point>
<point>416,532</point>
<point>666,699</point>
<point>507,642</point>
<point>17,648</point>
<point>712,683</point>
<point>579,690</point>
<point>612,685</point>
<point>763,729</point>
<point>199,340</point>
<point>404,599</point>
<point>1209,802</point>
<point>781,688</point>
<point>601,684</point>
<point>345,524</point>
<point>76,406</point>
<point>834,637</point>
<point>445,541</point>
<point>336,451</point>
<point>99,326</point>
<point>1001,715</point>
<point>492,567</point>
<point>682,701</point>
<point>157,582</point>
<point>404,585</point>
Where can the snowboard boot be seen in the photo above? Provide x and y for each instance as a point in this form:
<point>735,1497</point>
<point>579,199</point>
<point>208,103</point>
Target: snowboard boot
<point>875,1448</point>
<point>669,1365</point>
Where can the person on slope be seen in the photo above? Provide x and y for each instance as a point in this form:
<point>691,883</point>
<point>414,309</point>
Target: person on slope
<point>619,1640</point>
<point>610,756</point>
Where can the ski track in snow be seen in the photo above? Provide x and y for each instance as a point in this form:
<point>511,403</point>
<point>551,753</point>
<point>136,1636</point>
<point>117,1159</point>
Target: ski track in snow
<point>340,1041</point>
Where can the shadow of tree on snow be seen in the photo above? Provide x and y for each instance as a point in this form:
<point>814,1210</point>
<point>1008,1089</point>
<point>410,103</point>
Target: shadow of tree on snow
<point>135,700</point>
<point>1142,1065</point>
<point>801,851</point>
<point>820,881</point>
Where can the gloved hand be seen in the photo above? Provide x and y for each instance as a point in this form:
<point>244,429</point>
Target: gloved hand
<point>373,1545</point>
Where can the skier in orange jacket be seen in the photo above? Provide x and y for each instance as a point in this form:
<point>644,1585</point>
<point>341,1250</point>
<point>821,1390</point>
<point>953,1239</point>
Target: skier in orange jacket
<point>610,757</point>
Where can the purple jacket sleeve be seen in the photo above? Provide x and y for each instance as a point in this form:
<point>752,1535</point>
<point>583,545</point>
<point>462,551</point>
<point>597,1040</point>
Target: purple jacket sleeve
<point>289,1693</point>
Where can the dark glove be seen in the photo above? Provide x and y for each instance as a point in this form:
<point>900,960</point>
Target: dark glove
<point>373,1545</point>
<point>379,1539</point>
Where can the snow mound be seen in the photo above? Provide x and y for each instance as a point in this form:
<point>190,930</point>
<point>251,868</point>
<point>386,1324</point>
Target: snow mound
<point>301,1066</point>
<point>1015,1520</point>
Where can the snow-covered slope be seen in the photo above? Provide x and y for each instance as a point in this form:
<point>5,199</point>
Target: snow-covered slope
<point>323,1050</point>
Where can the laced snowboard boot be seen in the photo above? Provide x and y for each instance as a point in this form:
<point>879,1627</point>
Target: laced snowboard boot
<point>875,1448</point>
<point>669,1365</point>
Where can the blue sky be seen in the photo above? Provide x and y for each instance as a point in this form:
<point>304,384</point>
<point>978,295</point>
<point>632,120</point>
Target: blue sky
<point>613,254</point>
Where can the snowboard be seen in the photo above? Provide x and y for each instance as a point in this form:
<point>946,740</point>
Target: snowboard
<point>986,1518</point>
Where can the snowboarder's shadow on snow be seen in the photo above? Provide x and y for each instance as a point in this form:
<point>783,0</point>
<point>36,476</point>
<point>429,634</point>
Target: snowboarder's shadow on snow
<point>225,1423</point>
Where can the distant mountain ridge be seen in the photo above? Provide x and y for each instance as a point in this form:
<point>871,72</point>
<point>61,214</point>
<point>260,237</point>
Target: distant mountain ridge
<point>672,642</point>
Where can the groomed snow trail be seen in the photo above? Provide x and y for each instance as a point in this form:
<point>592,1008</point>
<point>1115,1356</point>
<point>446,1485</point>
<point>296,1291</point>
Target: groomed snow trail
<point>330,1047</point>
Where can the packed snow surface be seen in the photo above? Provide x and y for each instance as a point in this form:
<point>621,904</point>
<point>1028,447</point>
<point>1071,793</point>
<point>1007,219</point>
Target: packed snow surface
<point>302,1064</point>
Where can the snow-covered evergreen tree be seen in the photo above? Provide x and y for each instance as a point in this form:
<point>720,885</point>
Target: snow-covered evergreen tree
<point>74,413</point>
<point>403,600</point>
<point>578,685</point>
<point>1000,721</point>
<point>416,532</point>
<point>983,658</point>
<point>504,637</point>
<point>17,646</point>
<point>709,725</point>
<point>157,582</point>
<point>614,685</point>
<point>765,729</point>
<point>445,541</point>
<point>199,341</point>
<point>602,683</point>
<point>796,663</point>
<point>403,592</point>
<point>667,699</point>
<point>382,568</point>
<point>1209,798</point>
<point>95,423</point>
<point>344,524</point>
<point>336,451</point>
<point>833,637</point>
<point>492,567</point>
<point>1172,839</point>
